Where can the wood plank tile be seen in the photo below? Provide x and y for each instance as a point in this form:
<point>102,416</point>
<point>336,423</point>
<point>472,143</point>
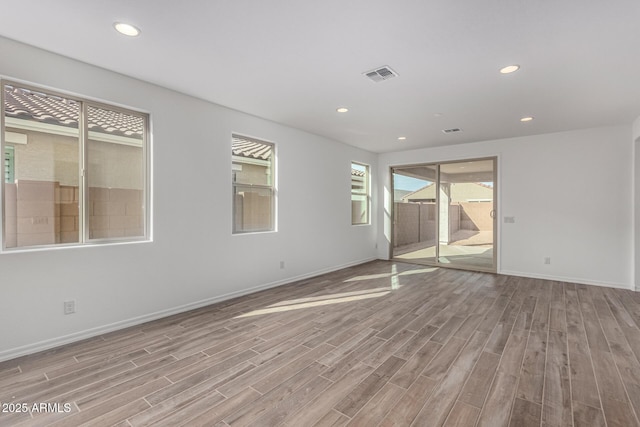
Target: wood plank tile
<point>617,413</point>
<point>587,416</point>
<point>437,408</point>
<point>364,391</point>
<point>270,400</point>
<point>583,382</point>
<point>557,321</point>
<point>497,410</point>
<point>513,354</point>
<point>262,370</point>
<point>383,352</point>
<point>394,327</point>
<point>499,338</point>
<point>462,415</point>
<point>342,366</point>
<point>533,368</point>
<point>410,404</point>
<point>215,414</point>
<point>416,365</point>
<point>279,412</point>
<point>437,368</point>
<point>332,419</point>
<point>446,348</point>
<point>117,404</point>
<point>294,366</point>
<point>324,403</point>
<point>525,414</point>
<point>448,329</point>
<point>557,409</point>
<point>377,407</point>
<point>477,386</point>
<point>187,410</point>
<point>416,342</point>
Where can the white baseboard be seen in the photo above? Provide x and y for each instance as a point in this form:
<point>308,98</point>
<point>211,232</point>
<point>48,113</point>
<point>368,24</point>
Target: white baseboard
<point>89,333</point>
<point>566,279</point>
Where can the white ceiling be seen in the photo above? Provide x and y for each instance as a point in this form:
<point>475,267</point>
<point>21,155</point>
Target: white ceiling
<point>296,61</point>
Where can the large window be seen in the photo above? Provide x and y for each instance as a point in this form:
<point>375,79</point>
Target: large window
<point>75,171</point>
<point>360,194</point>
<point>253,180</point>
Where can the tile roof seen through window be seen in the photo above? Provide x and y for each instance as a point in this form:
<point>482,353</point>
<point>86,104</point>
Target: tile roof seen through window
<point>25,104</point>
<point>245,147</point>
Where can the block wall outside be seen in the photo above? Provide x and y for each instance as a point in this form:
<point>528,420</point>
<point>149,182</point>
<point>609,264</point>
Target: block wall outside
<point>358,211</point>
<point>406,223</point>
<point>115,212</point>
<point>45,213</point>
<point>252,211</point>
<point>476,216</point>
<point>37,213</point>
<point>11,215</point>
<point>427,221</point>
<point>415,222</point>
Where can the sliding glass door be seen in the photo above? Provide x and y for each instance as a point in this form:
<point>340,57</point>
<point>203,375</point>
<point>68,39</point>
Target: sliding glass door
<point>444,214</point>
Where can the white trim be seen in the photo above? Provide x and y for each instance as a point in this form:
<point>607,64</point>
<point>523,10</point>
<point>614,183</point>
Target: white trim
<point>93,332</point>
<point>579,281</point>
<point>29,125</point>
<point>114,139</point>
<point>250,161</point>
<point>15,138</point>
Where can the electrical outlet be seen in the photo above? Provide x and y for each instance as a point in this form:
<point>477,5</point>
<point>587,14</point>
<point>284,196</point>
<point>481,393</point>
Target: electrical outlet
<point>69,307</point>
<point>547,260</point>
<point>282,265</point>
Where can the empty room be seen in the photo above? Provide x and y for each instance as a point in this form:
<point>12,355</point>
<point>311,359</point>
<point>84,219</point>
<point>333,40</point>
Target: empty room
<point>296,213</point>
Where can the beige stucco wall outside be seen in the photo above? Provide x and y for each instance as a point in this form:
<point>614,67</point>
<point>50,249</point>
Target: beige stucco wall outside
<point>54,158</point>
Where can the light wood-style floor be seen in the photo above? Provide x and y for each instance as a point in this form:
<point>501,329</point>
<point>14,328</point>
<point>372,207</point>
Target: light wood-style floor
<point>378,344</point>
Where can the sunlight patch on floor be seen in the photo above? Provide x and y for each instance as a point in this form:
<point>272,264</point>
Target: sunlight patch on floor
<point>383,275</point>
<point>327,301</point>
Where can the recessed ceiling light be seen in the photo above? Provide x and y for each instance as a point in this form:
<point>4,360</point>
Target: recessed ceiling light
<point>526,119</point>
<point>126,29</point>
<point>402,138</point>
<point>342,110</point>
<point>509,69</point>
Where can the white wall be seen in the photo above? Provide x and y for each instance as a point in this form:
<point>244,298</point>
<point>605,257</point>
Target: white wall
<point>194,258</point>
<point>570,194</point>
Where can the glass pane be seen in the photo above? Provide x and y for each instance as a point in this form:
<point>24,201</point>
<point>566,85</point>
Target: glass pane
<point>359,194</point>
<point>42,154</point>
<point>253,180</point>
<point>466,214</point>
<point>116,174</point>
<point>252,162</point>
<point>414,198</point>
<point>253,209</point>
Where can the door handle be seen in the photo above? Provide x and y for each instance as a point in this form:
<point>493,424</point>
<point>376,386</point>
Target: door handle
<point>492,214</point>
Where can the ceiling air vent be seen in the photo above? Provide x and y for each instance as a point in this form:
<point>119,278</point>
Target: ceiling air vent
<point>381,74</point>
<point>452,130</point>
